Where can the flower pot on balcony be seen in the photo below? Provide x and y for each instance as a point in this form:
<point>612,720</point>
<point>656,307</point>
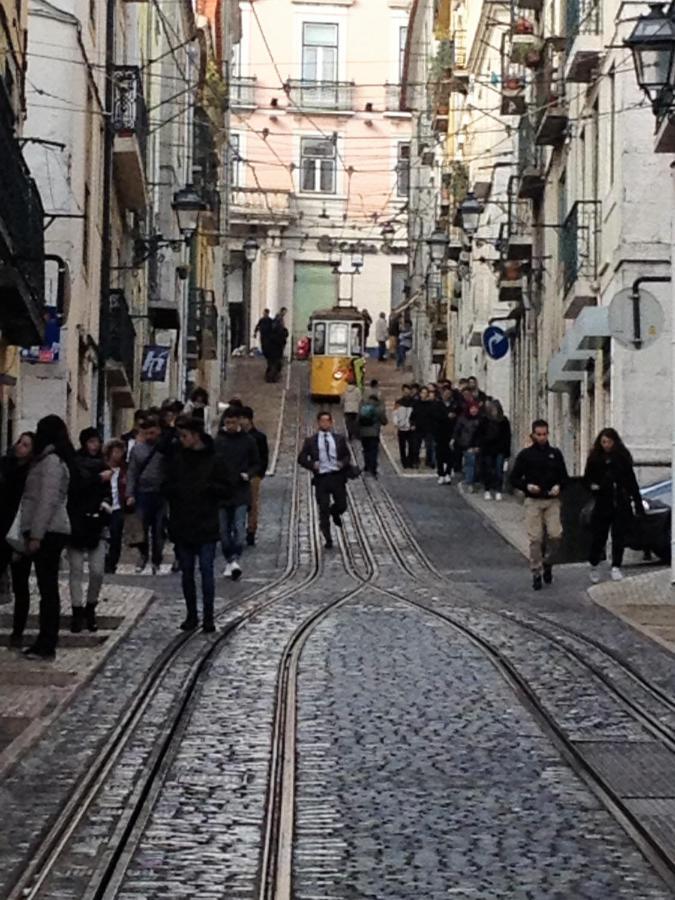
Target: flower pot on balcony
<point>533,59</point>
<point>523,26</point>
<point>522,46</point>
<point>511,270</point>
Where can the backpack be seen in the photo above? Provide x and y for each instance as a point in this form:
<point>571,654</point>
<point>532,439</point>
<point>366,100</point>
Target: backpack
<point>368,415</point>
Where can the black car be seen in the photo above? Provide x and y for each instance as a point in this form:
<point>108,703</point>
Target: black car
<point>651,532</point>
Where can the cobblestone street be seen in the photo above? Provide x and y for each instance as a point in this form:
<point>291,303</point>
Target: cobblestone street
<point>399,717</point>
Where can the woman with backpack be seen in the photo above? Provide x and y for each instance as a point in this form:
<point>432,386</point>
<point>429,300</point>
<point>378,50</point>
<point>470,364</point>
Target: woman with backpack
<point>611,478</point>
<point>372,416</point>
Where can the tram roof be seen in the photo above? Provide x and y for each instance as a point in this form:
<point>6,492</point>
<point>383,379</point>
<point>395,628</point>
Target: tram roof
<point>341,313</point>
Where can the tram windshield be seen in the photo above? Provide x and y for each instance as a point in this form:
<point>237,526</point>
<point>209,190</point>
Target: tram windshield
<point>338,339</point>
<point>357,340</point>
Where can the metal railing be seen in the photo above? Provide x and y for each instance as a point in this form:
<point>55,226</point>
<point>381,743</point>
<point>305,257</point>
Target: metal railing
<point>579,243</point>
<point>21,212</point>
<point>549,88</point>
<point>328,95</point>
<point>530,155</point>
<point>130,116</point>
<point>581,17</point>
<point>122,334</point>
<point>252,201</point>
<point>242,91</point>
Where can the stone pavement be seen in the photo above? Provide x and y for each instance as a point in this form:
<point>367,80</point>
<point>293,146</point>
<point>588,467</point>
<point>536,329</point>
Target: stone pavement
<point>34,693</point>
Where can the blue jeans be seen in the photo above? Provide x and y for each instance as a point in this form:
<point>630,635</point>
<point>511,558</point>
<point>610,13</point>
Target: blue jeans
<point>151,509</point>
<point>401,353</point>
<point>492,469</point>
<point>469,465</point>
<point>233,531</point>
<point>188,554</point>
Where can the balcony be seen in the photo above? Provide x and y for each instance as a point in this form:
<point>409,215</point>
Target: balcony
<point>584,43</point>
<point>518,242</point>
<point>163,310</point>
<point>121,350</point>
<point>130,124</point>
<point>322,96</point>
<point>22,275</point>
<point>549,97</point>
<point>531,170</point>
<point>242,92</point>
<point>252,206</point>
<point>511,281</point>
<point>579,257</point>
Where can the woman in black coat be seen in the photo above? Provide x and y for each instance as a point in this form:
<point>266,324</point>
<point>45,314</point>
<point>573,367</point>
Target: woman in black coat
<point>610,476</point>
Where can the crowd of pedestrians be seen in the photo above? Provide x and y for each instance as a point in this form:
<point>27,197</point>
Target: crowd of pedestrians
<point>169,479</point>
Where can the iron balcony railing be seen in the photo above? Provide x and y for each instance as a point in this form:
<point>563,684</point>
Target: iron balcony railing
<point>579,243</point>
<point>322,95</point>
<point>581,17</point>
<point>549,87</point>
<point>530,155</point>
<point>21,212</point>
<point>122,334</point>
<point>130,115</point>
<point>242,91</point>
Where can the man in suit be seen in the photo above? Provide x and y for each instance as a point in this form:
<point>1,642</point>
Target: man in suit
<point>326,455</point>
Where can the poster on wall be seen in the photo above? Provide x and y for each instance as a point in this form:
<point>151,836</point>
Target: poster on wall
<point>49,350</point>
<point>155,363</point>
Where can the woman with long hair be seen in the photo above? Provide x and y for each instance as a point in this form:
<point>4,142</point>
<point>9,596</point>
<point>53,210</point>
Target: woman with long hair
<point>494,443</point>
<point>610,476</point>
<point>45,524</point>
<point>13,473</point>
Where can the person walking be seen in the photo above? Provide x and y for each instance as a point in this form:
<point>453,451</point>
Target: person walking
<point>466,443</point>
<point>367,322</point>
<point>239,453</point>
<point>45,524</point>
<point>540,473</point>
<point>494,444</point>
<point>351,403</point>
<point>14,468</point>
<point>248,427</point>
<point>405,431</point>
<point>611,477</point>
<point>445,411</point>
<point>275,346</point>
<point>263,329</point>
<point>381,332</point>
<point>394,331</point>
<point>196,482</point>
<point>198,406</point>
<point>114,456</point>
<point>424,419</point>
<point>372,416</point>
<point>404,343</point>
<point>89,493</point>
<point>145,477</point>
<point>326,455</point>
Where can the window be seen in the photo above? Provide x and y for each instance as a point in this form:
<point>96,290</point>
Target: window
<point>402,37</point>
<point>319,52</point>
<point>338,339</point>
<point>403,170</point>
<point>234,161</point>
<point>317,166</point>
<point>319,344</point>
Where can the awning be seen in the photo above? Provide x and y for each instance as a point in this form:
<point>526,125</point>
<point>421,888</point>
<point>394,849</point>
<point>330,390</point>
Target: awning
<point>589,332</point>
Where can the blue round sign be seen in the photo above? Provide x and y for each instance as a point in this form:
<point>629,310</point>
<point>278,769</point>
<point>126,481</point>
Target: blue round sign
<point>495,342</point>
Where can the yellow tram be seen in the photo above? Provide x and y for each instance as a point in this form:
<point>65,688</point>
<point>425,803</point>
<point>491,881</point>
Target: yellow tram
<point>337,348</point>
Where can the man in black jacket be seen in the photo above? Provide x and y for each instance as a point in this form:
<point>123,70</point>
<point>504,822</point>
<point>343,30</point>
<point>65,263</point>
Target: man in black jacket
<point>541,474</point>
<point>248,427</point>
<point>326,455</point>
<point>196,481</point>
<point>239,452</point>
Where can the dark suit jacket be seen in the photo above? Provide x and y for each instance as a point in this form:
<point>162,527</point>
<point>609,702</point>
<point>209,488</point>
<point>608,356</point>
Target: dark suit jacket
<point>310,452</point>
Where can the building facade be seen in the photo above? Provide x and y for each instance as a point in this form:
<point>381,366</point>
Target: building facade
<point>319,158</point>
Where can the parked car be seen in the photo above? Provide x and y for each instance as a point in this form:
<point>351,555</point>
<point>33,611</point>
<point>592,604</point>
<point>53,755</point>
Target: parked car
<point>652,531</point>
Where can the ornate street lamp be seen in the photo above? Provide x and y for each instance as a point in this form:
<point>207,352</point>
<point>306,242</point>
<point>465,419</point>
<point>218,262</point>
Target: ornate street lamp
<point>250,249</point>
<point>437,242</point>
<point>188,204</point>
<point>357,258</point>
<point>652,42</point>
<point>469,213</point>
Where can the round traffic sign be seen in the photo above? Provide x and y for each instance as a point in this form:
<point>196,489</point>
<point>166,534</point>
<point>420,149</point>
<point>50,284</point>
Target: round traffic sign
<point>635,319</point>
<point>495,342</point>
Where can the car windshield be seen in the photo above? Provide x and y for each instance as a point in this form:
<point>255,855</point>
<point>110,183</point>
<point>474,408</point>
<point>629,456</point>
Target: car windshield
<point>660,490</point>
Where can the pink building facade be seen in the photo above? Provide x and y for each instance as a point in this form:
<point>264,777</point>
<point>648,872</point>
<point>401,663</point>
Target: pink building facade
<point>319,158</point>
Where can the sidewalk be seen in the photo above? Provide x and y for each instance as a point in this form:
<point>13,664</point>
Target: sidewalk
<point>34,693</point>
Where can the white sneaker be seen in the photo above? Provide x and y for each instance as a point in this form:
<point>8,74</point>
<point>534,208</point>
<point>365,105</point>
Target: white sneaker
<point>227,571</point>
<point>441,479</point>
<point>487,495</point>
<point>498,496</point>
<point>235,571</point>
<point>616,573</point>
<point>447,479</point>
<point>595,575</point>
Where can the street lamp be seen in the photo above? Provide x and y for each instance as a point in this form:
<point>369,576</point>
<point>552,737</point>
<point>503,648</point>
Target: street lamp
<point>250,249</point>
<point>438,242</point>
<point>357,258</point>
<point>469,213</point>
<point>188,204</point>
<point>652,43</point>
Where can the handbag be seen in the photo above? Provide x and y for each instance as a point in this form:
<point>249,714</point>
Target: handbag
<point>14,537</point>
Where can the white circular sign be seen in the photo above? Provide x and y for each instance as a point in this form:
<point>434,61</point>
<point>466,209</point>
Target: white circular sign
<point>635,323</point>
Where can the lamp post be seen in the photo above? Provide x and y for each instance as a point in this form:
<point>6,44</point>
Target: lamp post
<point>652,43</point>
<point>469,213</point>
<point>188,204</point>
<point>346,260</point>
<point>250,249</point>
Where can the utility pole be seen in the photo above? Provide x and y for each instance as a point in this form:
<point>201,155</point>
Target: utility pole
<point>106,229</point>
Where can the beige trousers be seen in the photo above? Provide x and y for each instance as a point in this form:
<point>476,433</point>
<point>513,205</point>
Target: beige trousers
<point>544,530</point>
<point>254,508</point>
